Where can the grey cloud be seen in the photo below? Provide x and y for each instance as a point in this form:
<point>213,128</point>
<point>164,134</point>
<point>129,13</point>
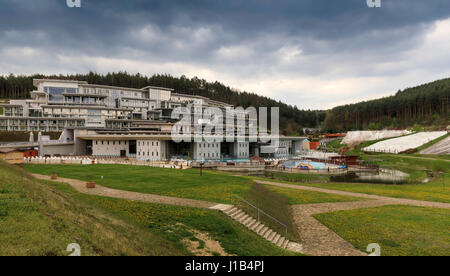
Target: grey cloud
<point>244,39</point>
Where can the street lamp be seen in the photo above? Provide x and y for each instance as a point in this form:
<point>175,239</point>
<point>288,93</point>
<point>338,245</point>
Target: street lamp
<point>201,168</point>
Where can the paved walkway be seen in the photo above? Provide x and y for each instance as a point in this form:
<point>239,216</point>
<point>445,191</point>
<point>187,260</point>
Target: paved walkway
<point>108,192</point>
<point>319,240</point>
<point>392,200</point>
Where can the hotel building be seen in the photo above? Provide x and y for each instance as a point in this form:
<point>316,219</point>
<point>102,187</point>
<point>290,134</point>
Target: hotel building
<point>108,121</point>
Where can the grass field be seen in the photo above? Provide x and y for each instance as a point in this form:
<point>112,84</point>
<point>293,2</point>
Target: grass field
<point>177,224</point>
<point>168,182</point>
<point>335,145</point>
<point>41,219</point>
<point>399,230</point>
<point>297,177</point>
<point>212,186</point>
<point>295,196</point>
<point>434,191</point>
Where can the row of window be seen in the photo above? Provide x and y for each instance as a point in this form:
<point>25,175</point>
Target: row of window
<point>200,145</point>
<point>112,91</point>
<point>148,153</point>
<point>209,155</point>
<point>148,143</point>
<point>113,142</point>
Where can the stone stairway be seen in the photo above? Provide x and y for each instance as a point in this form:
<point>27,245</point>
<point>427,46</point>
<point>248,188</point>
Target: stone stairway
<point>259,228</point>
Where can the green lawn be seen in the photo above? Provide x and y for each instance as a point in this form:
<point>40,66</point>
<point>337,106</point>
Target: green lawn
<point>335,145</point>
<point>297,177</point>
<point>399,230</point>
<point>177,224</point>
<point>434,191</point>
<point>43,217</point>
<point>212,186</point>
<point>40,218</point>
<point>295,196</point>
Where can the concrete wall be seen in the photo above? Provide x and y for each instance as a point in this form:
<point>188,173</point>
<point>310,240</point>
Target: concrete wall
<point>241,150</point>
<point>109,148</point>
<point>152,150</point>
<point>58,149</point>
<point>207,151</point>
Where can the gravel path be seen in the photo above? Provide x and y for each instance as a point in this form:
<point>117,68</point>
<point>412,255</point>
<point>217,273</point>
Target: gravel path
<point>103,191</point>
<point>392,200</point>
<point>319,240</point>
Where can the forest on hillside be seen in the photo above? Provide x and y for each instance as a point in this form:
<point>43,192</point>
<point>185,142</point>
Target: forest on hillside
<point>426,105</point>
<point>292,119</point>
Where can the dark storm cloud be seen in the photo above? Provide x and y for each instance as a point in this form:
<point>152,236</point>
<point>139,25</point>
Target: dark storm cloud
<point>232,40</point>
<point>104,22</point>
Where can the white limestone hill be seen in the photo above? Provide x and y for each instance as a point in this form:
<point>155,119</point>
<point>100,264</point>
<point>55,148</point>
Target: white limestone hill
<point>357,137</point>
<point>401,144</point>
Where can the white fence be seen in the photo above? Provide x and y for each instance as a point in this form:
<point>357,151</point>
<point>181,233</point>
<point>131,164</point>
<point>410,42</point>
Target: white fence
<point>92,161</point>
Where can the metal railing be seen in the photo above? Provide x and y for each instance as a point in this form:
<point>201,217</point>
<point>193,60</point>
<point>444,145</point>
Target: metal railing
<point>261,212</point>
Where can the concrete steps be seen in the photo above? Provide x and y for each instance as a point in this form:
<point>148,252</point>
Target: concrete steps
<point>259,228</point>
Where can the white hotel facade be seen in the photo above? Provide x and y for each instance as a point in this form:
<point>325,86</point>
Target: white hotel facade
<point>107,121</point>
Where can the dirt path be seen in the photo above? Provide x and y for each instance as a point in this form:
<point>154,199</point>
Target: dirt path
<point>392,200</point>
<point>319,240</point>
<point>103,191</point>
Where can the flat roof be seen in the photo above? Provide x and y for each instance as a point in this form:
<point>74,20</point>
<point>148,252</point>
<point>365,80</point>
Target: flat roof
<point>112,87</point>
<point>157,87</point>
<point>86,107</point>
<point>57,80</point>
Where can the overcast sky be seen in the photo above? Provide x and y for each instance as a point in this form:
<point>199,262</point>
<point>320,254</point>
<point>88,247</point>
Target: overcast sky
<point>315,54</point>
